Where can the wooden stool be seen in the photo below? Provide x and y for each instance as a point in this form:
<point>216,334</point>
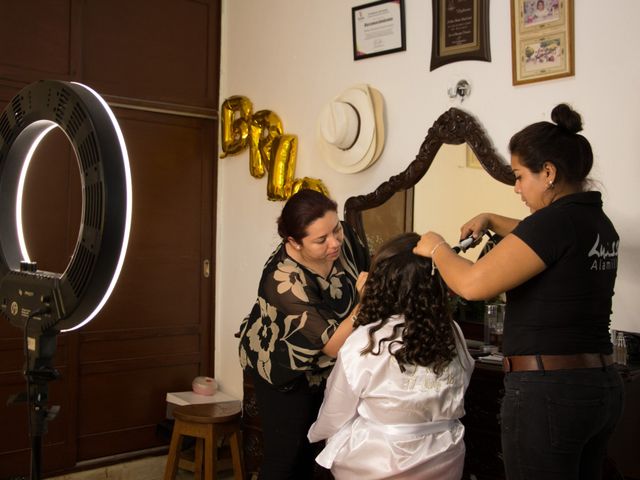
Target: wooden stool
<point>206,422</point>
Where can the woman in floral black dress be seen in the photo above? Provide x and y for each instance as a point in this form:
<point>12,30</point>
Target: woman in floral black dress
<point>307,300</point>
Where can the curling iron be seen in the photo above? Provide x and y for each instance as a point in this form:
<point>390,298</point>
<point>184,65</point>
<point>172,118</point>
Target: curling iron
<point>468,242</point>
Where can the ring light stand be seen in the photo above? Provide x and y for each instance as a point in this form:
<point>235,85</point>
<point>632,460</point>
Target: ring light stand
<point>46,303</point>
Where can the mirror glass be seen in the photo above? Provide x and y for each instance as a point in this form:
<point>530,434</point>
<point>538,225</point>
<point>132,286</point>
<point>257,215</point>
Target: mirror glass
<point>461,183</point>
<point>455,189</point>
<point>455,175</point>
<point>389,219</point>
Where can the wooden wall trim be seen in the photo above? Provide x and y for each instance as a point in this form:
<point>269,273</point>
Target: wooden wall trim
<point>139,333</point>
<point>129,364</point>
<point>161,107</point>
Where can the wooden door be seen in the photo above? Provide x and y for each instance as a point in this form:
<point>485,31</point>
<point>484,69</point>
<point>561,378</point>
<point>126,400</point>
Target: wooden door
<point>155,334</point>
<point>158,69</point>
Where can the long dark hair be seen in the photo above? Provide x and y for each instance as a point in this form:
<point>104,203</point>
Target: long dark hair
<point>558,143</point>
<point>401,283</point>
<point>302,209</point>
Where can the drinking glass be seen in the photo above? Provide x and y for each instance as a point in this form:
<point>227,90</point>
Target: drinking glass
<point>493,324</point>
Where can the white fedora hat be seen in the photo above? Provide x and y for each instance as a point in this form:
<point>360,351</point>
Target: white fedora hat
<point>351,129</point>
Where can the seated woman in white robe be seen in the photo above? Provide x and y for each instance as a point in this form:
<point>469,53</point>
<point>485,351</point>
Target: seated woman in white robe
<point>394,398</point>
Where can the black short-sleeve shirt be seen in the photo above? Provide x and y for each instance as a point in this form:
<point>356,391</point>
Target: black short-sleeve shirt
<point>566,308</point>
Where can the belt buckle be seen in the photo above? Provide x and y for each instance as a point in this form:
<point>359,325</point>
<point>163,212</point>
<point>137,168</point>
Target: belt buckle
<point>506,364</point>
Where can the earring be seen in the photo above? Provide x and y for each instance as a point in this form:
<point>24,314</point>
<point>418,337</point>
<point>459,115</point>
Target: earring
<point>297,247</point>
<point>550,184</point>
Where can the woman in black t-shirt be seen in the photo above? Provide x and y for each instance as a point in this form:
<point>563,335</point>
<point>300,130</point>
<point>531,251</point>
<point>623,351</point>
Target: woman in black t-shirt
<point>307,300</point>
<point>563,397</point>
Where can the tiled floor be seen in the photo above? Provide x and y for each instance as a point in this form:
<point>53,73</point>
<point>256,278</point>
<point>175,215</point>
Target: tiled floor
<point>151,468</point>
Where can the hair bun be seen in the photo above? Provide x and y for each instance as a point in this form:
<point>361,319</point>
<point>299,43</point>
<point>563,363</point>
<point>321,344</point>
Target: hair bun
<point>567,118</point>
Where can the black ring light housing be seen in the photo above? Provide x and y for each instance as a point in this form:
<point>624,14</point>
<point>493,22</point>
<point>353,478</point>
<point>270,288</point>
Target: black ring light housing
<point>65,301</point>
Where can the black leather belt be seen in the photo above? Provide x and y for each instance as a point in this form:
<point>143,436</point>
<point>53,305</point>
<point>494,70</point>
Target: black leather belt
<point>522,363</point>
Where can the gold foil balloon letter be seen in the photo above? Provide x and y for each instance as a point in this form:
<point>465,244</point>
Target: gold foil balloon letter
<point>270,150</point>
<point>284,150</point>
<point>265,128</point>
<point>311,184</point>
<point>236,117</point>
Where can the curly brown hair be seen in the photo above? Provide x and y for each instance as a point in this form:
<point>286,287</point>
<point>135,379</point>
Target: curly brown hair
<point>402,283</point>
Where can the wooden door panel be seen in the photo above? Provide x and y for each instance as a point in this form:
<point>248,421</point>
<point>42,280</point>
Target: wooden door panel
<point>161,276</point>
<point>36,39</point>
<point>167,53</point>
<point>139,343</point>
<point>120,409</point>
<point>128,391</point>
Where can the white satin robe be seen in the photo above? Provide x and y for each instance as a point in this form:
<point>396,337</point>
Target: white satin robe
<point>381,423</point>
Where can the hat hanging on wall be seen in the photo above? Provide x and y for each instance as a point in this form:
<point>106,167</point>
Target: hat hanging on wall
<point>351,129</point>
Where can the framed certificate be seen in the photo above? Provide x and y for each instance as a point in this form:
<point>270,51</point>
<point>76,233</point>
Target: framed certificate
<point>460,31</point>
<point>378,28</point>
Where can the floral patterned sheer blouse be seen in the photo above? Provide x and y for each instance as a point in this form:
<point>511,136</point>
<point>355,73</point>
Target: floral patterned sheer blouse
<point>296,313</point>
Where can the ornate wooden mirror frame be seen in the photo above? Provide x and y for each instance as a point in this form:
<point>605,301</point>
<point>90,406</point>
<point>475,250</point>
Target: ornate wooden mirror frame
<point>455,127</point>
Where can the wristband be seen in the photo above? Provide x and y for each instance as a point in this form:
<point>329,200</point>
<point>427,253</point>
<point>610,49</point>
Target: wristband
<point>354,314</point>
<point>436,247</point>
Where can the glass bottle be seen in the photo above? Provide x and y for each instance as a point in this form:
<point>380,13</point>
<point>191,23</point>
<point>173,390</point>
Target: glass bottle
<point>621,349</point>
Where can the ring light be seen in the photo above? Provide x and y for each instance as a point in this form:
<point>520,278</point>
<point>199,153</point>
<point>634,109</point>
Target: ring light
<point>48,301</point>
<point>45,303</point>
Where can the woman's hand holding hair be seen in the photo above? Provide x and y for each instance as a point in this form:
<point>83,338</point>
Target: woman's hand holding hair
<point>488,221</point>
<point>476,226</point>
<point>428,244</point>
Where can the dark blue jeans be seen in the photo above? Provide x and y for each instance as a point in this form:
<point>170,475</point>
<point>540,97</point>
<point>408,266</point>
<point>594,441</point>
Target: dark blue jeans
<point>556,424</point>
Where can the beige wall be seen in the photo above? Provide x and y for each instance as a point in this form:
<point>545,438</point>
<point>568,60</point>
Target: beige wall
<point>292,56</point>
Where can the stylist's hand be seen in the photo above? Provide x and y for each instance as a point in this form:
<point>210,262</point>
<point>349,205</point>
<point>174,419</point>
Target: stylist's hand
<point>427,243</point>
<point>362,279</point>
<point>476,226</point>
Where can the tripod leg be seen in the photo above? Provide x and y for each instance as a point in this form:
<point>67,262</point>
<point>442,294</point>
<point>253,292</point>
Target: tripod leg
<point>36,457</point>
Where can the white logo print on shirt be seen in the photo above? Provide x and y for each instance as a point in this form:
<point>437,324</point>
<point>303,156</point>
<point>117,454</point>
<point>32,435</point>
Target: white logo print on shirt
<point>606,255</point>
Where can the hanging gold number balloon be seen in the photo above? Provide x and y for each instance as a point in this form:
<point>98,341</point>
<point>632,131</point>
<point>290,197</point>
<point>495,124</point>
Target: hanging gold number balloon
<point>269,149</point>
<point>265,128</point>
<point>311,184</point>
<point>234,130</point>
<point>284,150</point>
